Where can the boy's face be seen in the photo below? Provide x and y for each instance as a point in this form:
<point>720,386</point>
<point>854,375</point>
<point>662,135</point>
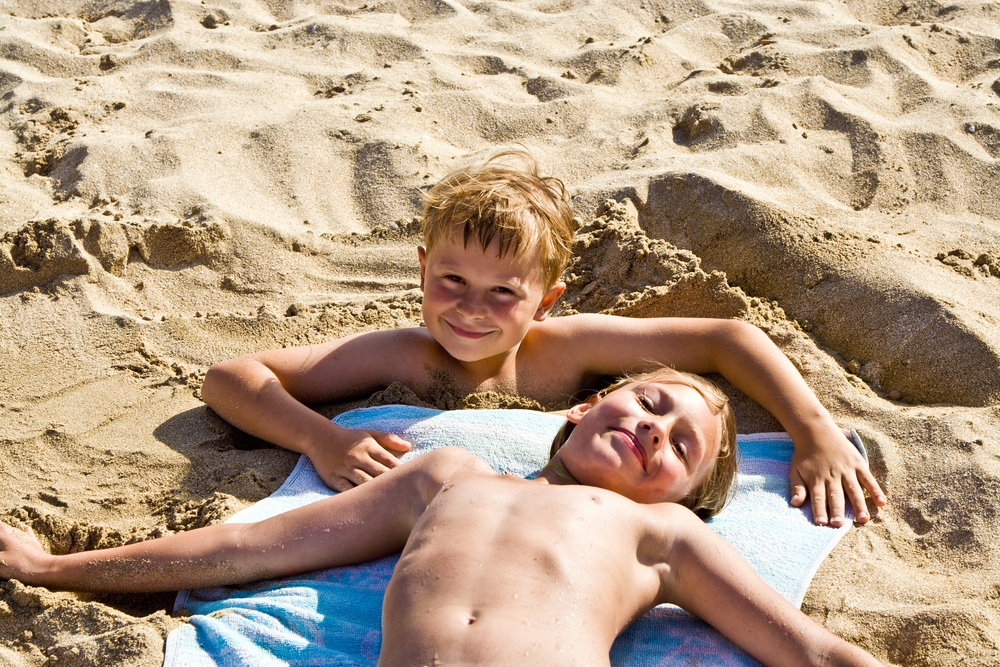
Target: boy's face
<point>478,305</point>
<point>648,442</point>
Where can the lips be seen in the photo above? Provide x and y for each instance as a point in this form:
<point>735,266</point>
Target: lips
<point>465,333</point>
<point>633,444</point>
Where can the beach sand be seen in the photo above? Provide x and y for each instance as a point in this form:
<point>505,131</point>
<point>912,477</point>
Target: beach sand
<point>182,182</point>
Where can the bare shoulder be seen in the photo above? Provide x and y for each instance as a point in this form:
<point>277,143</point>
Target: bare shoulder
<point>448,464</point>
<point>363,361</point>
<point>450,461</point>
<point>664,523</point>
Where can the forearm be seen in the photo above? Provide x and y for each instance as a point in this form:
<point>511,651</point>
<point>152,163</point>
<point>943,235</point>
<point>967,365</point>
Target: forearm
<point>249,396</point>
<point>210,556</point>
<point>709,579</point>
<point>365,523</point>
<point>746,357</point>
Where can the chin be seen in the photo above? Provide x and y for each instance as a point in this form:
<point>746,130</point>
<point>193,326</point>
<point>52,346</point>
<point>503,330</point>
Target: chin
<point>466,355</point>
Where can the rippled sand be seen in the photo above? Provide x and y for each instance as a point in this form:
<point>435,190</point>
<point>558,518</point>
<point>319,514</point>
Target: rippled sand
<point>182,182</point>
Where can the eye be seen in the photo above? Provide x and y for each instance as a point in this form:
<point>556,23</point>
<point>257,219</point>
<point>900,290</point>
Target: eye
<point>454,279</point>
<point>645,402</point>
<point>679,448</point>
<point>506,291</point>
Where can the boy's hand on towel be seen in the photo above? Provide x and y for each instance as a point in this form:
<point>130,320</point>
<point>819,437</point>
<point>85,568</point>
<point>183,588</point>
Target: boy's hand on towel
<point>22,556</point>
<point>358,457</point>
<point>831,472</point>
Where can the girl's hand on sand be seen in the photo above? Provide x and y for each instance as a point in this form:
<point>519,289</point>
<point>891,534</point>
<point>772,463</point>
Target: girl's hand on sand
<point>831,474</point>
<point>21,554</point>
<point>366,454</point>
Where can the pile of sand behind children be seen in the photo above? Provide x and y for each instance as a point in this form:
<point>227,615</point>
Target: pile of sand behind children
<point>182,182</point>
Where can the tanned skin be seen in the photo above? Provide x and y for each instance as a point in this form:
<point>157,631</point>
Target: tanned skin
<point>487,328</point>
<point>495,570</point>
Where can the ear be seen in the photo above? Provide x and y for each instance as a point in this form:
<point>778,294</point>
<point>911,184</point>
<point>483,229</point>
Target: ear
<point>422,257</point>
<point>576,413</point>
<point>549,300</point>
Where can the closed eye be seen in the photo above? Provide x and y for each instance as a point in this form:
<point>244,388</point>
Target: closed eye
<point>680,449</point>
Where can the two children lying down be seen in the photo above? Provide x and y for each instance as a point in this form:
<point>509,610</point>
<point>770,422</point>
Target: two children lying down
<point>497,238</point>
<point>498,570</point>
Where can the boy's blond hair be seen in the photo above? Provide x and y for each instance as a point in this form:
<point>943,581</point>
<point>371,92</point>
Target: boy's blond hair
<point>520,208</point>
<point>712,494</point>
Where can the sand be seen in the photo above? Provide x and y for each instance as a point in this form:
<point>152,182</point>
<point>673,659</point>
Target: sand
<point>182,182</point>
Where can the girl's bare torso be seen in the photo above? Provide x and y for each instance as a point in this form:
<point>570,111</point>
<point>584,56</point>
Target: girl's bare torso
<point>503,571</point>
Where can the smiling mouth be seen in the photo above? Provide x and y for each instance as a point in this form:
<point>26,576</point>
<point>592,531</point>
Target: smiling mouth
<point>633,443</point>
<point>465,333</point>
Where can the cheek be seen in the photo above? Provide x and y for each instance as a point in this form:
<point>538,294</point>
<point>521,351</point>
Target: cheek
<point>438,292</point>
<point>504,310</point>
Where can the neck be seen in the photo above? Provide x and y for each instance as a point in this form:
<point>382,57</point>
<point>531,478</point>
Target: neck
<point>500,368</point>
<point>556,473</point>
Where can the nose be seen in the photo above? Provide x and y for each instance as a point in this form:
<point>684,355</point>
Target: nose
<point>656,431</point>
<point>472,304</point>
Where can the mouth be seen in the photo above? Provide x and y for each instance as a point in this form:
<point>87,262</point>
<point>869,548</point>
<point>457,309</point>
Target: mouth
<point>633,444</point>
<point>465,333</point>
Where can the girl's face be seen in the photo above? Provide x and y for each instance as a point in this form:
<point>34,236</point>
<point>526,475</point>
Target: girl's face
<point>650,442</point>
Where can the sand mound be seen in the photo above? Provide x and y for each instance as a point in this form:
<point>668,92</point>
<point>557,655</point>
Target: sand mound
<point>186,182</point>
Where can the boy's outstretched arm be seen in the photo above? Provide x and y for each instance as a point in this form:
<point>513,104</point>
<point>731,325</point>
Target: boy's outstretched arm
<point>369,522</point>
<point>825,466</point>
<point>706,576</point>
<point>267,393</point>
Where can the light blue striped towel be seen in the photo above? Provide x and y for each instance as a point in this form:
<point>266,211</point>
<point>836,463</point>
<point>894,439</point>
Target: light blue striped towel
<point>332,617</point>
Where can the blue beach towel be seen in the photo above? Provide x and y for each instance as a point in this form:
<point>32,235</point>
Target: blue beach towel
<point>333,617</point>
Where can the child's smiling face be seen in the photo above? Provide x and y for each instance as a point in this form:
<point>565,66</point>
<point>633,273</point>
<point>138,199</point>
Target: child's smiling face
<point>650,442</point>
<point>479,305</point>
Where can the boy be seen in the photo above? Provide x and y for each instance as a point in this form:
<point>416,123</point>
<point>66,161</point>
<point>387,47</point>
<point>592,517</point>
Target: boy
<point>496,240</point>
<point>594,541</point>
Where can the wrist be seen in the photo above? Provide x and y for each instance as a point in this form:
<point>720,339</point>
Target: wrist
<point>42,569</point>
<point>321,436</point>
<point>814,430</point>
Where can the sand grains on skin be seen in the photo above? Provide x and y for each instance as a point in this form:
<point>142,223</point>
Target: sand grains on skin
<point>186,182</point>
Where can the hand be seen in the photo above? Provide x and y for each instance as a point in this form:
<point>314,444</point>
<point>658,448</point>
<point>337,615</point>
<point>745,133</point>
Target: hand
<point>828,470</point>
<point>358,457</point>
<point>22,556</point>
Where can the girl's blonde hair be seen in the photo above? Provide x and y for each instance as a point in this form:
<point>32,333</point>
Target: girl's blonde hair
<point>518,206</point>
<point>719,485</point>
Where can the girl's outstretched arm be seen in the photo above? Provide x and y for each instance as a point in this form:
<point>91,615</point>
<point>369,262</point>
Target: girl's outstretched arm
<point>708,578</point>
<point>368,522</point>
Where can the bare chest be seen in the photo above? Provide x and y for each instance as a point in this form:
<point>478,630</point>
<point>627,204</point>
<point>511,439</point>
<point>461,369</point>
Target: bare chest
<point>512,546</point>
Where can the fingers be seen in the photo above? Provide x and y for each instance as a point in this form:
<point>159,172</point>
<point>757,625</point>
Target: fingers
<point>381,461</point>
<point>366,460</point>
<point>338,484</point>
<point>798,489</point>
<point>870,483</point>
<point>348,479</point>
<point>830,498</point>
<point>391,441</point>
<point>856,495</point>
<point>357,477</point>
<point>835,504</point>
<point>818,493</point>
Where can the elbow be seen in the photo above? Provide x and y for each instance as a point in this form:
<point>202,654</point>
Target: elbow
<point>740,335</point>
<point>211,385</point>
<point>219,382</point>
<point>743,330</point>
